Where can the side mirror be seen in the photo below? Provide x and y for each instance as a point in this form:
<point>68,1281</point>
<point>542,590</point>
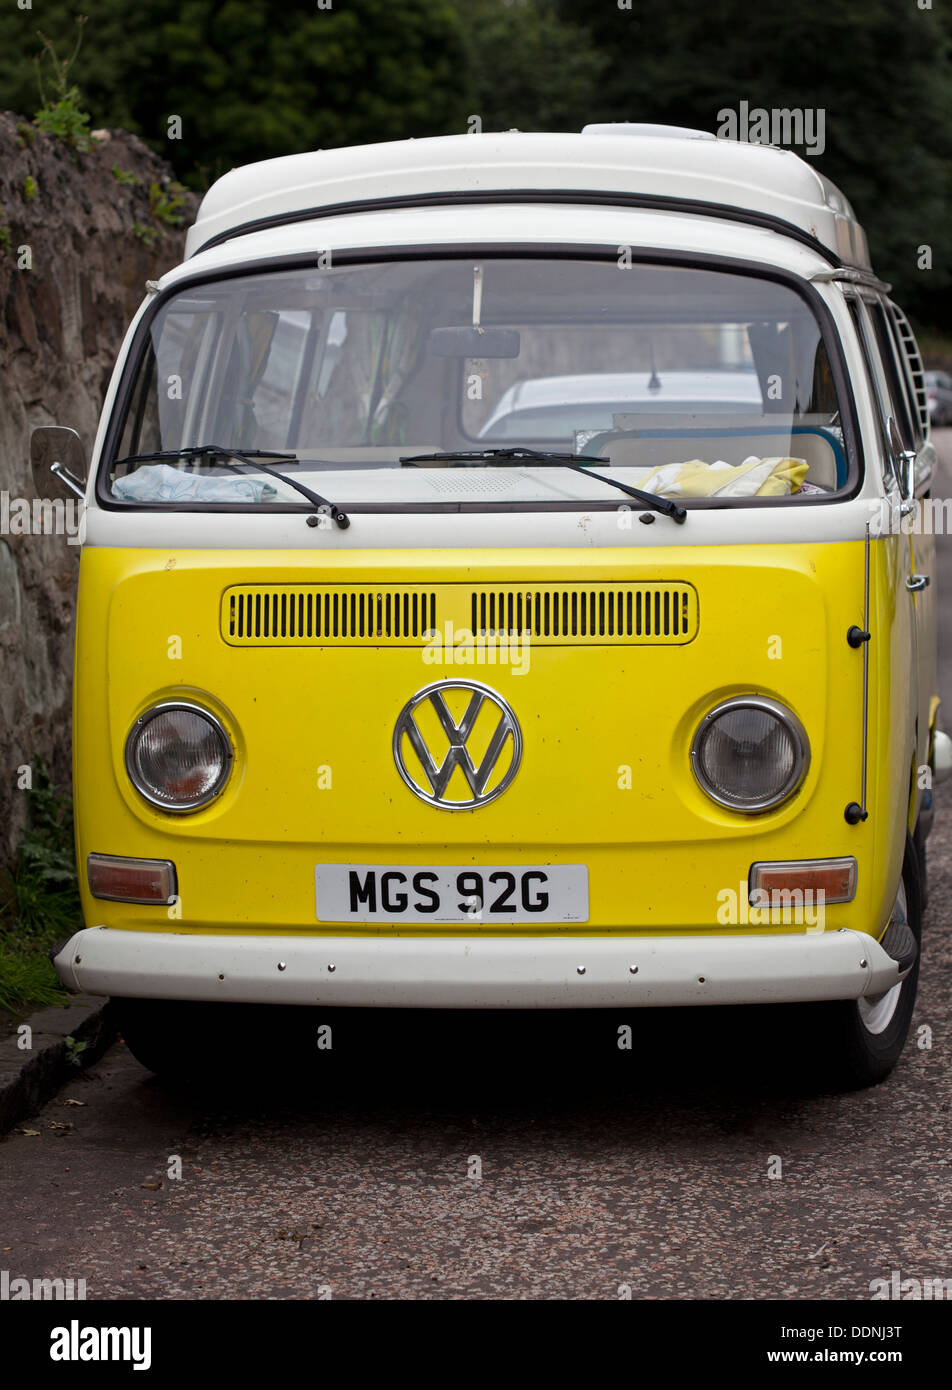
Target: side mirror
<point>903,462</point>
<point>58,461</point>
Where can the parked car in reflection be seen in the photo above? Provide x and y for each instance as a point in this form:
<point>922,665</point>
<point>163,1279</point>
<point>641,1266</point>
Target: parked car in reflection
<point>939,397</point>
<point>554,407</point>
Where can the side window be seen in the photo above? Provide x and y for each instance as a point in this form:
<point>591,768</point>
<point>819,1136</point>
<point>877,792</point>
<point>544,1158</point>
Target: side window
<point>876,384</point>
<point>140,429</point>
<point>896,386</point>
<point>165,410</point>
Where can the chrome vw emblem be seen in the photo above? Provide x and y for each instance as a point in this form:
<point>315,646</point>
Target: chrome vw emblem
<point>487,724</point>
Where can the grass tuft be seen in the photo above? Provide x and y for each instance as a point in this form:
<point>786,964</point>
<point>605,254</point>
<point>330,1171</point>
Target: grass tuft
<point>39,900</point>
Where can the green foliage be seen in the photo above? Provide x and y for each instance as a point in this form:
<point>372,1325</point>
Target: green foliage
<point>936,349</point>
<point>164,204</point>
<point>59,67</point>
<point>45,899</point>
<point>526,67</point>
<point>60,115</point>
<point>146,234</point>
<point>29,188</point>
<point>39,902</point>
<point>65,120</point>
<point>74,1051</point>
<point>888,139</point>
<point>27,979</point>
<point>124,178</point>
<point>25,133</point>
<point>249,80</point>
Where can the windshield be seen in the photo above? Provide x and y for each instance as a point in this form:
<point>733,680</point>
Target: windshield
<point>688,382</point>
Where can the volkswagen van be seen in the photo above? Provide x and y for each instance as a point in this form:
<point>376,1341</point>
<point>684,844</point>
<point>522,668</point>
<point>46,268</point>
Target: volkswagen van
<point>393,691</point>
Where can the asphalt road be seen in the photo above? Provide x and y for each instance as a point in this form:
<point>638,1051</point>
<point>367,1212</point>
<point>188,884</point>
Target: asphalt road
<point>451,1158</point>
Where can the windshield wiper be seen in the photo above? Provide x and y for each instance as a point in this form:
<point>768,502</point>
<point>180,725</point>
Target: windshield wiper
<point>664,505</point>
<point>251,457</point>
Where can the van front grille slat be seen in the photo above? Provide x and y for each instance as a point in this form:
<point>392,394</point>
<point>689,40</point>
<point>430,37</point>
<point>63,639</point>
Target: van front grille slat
<point>623,614</point>
<point>628,613</point>
<point>301,615</point>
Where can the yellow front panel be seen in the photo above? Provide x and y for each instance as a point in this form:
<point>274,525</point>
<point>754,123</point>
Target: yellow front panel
<point>605,778</point>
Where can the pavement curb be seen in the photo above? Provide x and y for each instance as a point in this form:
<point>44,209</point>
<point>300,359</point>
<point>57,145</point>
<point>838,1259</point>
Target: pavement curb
<point>29,1077</point>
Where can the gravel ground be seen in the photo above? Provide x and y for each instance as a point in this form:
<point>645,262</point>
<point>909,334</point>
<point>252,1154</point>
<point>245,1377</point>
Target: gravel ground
<point>598,1168</point>
<point>526,1158</point>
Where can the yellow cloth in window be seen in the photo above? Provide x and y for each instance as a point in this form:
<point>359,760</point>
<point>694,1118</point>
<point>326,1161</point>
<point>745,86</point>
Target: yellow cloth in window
<point>755,477</point>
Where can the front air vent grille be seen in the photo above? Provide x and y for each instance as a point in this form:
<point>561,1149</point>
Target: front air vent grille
<point>663,613</point>
<point>298,615</point>
<point>597,614</point>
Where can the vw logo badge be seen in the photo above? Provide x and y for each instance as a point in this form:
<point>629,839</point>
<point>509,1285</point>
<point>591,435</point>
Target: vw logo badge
<point>427,763</point>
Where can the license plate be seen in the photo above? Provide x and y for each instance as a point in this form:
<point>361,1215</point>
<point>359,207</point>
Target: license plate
<point>489,895</point>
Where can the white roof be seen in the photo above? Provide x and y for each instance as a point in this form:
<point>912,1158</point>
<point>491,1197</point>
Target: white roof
<point>759,180</point>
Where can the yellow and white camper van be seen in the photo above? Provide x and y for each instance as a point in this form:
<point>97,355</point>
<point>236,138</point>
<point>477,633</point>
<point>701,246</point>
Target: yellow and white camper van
<point>506,584</point>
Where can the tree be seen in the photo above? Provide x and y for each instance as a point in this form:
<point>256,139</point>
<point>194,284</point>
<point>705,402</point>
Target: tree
<point>880,72</point>
<point>249,79</point>
<point>526,66</point>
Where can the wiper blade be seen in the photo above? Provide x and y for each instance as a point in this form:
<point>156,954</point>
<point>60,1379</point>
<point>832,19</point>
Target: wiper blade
<point>664,505</point>
<point>253,458</point>
<point>200,450</point>
<point>514,455</point>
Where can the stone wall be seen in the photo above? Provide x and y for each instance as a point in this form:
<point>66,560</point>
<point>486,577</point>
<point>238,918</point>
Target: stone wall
<point>76,247</point>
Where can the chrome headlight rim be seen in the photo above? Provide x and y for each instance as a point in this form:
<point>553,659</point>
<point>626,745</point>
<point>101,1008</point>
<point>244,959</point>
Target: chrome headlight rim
<point>147,794</point>
<point>794,728</point>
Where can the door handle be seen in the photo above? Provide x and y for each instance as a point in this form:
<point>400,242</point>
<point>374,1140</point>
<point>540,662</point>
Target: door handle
<point>917,582</point>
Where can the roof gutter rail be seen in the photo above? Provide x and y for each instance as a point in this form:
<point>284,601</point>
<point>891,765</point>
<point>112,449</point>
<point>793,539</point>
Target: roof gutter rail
<point>655,202</point>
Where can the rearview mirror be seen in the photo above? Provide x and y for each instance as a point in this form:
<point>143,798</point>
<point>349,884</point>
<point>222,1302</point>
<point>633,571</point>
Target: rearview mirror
<point>58,461</point>
<point>474,342</point>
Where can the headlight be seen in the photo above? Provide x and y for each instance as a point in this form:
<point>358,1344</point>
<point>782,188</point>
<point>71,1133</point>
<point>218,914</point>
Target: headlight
<point>178,756</point>
<point>750,753</point>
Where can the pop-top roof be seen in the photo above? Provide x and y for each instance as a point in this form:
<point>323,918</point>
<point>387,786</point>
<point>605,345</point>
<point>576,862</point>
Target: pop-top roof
<point>643,166</point>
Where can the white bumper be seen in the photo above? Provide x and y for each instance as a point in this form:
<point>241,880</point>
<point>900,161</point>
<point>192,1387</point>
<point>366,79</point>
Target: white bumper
<point>477,972</point>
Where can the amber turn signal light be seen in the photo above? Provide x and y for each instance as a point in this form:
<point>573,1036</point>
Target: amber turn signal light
<point>131,880</point>
<point>834,878</point>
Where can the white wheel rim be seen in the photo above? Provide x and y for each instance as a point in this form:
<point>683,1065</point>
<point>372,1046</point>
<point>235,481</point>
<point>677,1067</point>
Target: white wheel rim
<point>876,1013</point>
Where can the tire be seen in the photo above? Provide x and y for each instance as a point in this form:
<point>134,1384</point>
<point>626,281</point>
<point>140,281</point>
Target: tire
<point>188,1041</point>
<point>168,1037</point>
<point>857,1042</point>
<point>919,840</point>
